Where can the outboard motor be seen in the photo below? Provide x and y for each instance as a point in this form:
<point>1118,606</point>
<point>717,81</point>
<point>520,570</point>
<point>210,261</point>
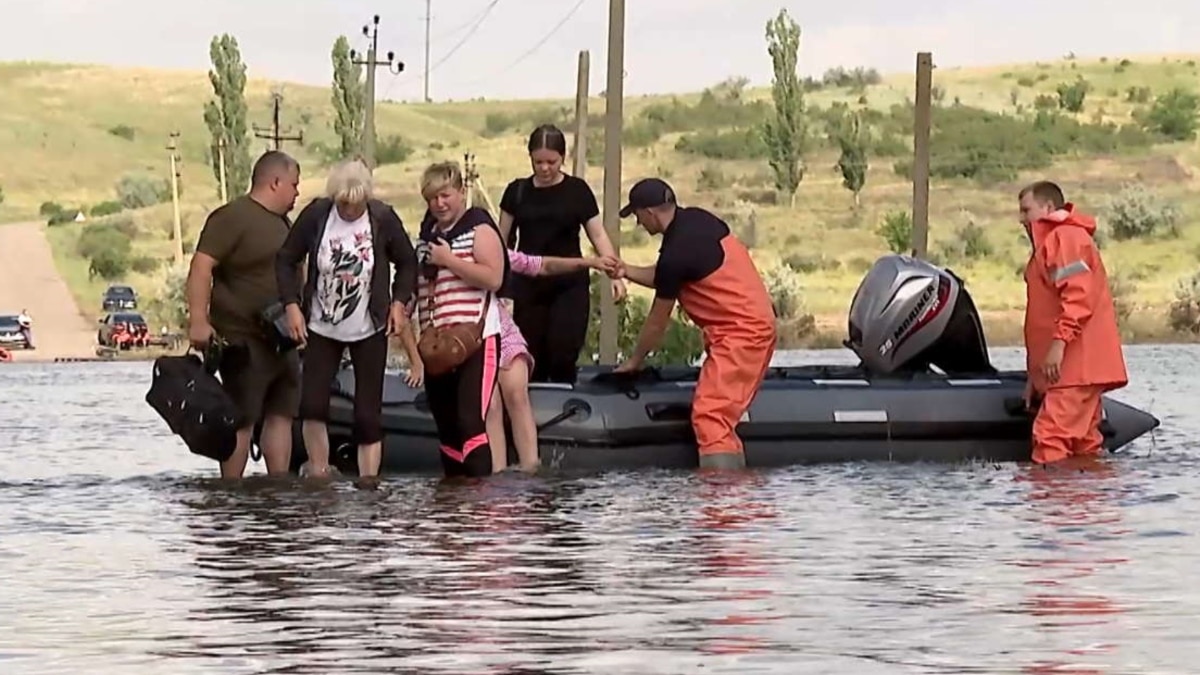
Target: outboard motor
<point>908,315</point>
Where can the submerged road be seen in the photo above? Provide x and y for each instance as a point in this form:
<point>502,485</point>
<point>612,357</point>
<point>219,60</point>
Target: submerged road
<point>30,280</point>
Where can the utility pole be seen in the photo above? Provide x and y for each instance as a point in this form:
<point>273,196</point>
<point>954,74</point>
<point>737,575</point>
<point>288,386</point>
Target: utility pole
<point>470,175</point>
<point>275,133</point>
<point>173,147</point>
<point>428,22</point>
<point>614,113</point>
<point>393,66</point>
<point>581,113</point>
<point>922,118</point>
<point>221,166</point>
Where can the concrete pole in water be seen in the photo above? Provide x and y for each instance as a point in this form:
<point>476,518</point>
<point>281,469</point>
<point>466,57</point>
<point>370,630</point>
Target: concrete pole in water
<point>614,113</point>
<point>922,118</point>
<point>172,146</point>
<point>371,63</point>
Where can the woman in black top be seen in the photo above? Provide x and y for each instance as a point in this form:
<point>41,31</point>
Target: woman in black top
<point>542,215</point>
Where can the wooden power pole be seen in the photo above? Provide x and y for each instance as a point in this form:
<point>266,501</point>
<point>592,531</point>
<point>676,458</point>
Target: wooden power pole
<point>275,134</point>
<point>428,22</point>
<point>581,113</point>
<point>393,66</point>
<point>922,119</point>
<point>173,148</point>
<point>614,114</point>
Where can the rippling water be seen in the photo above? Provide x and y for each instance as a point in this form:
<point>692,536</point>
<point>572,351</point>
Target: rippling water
<point>120,553</point>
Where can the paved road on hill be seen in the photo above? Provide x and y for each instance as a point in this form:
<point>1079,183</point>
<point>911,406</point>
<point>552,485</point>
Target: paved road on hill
<point>29,280</point>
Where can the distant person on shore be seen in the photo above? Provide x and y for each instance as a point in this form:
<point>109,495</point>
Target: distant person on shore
<point>541,215</point>
<point>26,323</point>
<point>703,266</point>
<point>348,301</point>
<point>230,283</point>
<point>1072,341</point>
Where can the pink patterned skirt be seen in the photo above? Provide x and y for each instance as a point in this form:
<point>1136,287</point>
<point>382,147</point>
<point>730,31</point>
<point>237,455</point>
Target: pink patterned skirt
<point>512,343</point>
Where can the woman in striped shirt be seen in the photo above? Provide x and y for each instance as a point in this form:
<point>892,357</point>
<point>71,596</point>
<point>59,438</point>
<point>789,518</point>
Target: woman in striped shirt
<point>463,265</point>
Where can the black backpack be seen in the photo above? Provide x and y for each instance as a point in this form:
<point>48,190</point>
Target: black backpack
<point>191,400</point>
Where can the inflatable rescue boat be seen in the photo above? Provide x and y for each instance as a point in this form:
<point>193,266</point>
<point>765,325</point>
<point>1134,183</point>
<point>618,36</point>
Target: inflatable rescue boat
<point>924,390</point>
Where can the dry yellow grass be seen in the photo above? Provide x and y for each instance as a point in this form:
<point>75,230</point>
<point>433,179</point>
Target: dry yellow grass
<point>54,123</point>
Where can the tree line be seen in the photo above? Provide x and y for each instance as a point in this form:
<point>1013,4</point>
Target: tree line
<point>225,114</point>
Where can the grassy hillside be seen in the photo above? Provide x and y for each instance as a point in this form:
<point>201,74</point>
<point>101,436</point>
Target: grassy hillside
<point>69,133</point>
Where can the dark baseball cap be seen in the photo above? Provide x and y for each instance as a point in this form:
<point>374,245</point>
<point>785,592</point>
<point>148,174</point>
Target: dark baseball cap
<point>647,194</point>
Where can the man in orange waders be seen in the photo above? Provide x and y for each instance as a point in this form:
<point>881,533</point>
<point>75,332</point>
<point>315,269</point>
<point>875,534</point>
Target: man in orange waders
<point>1072,343</point>
<point>704,266</point>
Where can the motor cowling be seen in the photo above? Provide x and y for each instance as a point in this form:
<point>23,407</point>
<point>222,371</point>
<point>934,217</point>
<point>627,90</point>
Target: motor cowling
<point>908,315</point>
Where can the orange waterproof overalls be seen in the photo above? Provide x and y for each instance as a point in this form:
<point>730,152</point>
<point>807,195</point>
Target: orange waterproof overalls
<point>1068,299</point>
<point>733,309</point>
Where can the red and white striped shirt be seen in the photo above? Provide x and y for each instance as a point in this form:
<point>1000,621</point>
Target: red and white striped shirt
<point>448,299</point>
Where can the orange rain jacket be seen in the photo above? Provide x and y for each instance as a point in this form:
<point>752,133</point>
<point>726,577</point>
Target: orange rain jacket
<point>1068,298</point>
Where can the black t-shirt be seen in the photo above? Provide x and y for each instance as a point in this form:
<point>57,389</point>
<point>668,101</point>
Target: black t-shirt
<point>690,251</point>
<point>547,220</point>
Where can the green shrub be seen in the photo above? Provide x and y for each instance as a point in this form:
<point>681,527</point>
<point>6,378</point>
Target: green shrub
<point>682,343</point>
<point>109,264</point>
<point>107,208</point>
<point>145,264</point>
<point>736,144</point>
<point>896,231</point>
<point>1136,213</point>
<point>168,306</point>
<point>123,131</point>
<point>1071,96</point>
<point>1184,314</point>
<point>138,190</point>
<point>392,149</point>
<point>1174,115</point>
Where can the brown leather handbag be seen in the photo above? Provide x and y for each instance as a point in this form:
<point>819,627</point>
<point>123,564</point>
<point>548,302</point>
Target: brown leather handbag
<point>444,348</point>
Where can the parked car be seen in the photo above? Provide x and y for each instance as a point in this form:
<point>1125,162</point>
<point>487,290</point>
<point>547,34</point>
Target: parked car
<point>11,334</point>
<point>117,298</point>
<point>123,330</point>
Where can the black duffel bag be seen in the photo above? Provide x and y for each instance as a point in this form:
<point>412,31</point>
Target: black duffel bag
<point>189,397</point>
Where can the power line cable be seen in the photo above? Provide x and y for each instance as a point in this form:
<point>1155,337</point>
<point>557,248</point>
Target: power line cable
<point>538,45</point>
<point>445,57</point>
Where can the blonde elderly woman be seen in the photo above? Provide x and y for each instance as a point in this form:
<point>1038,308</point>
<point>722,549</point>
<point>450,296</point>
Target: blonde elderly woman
<point>348,301</point>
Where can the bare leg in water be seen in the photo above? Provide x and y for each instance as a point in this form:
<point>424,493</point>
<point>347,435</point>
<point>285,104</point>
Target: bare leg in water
<point>513,394</point>
<point>514,387</point>
<point>494,423</point>
<point>276,443</point>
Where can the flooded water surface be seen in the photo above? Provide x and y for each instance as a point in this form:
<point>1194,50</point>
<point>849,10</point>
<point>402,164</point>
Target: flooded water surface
<point>120,553</point>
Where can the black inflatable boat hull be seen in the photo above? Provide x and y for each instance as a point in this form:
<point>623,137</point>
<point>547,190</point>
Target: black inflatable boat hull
<point>802,415</point>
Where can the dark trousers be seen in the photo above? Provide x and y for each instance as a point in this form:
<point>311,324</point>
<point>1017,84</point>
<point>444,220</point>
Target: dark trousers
<point>322,357</point>
<point>459,401</point>
<point>553,318</point>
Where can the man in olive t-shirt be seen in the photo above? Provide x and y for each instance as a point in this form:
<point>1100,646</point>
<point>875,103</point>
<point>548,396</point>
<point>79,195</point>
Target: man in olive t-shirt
<point>231,281</point>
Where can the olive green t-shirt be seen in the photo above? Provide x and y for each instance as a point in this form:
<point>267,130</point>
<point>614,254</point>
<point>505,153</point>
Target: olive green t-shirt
<point>243,236</point>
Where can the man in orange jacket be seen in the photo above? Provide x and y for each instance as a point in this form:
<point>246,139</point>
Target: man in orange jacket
<point>1072,343</point>
<point>702,266</point>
